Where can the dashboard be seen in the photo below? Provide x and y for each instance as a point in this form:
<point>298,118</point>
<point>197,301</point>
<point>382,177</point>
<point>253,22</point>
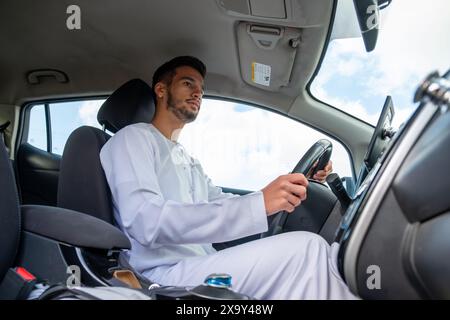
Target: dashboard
<point>397,226</point>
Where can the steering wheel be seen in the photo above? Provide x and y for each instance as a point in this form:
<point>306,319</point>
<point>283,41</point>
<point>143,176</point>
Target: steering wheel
<point>320,153</point>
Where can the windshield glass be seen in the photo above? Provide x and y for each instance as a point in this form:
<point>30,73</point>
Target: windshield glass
<point>412,42</point>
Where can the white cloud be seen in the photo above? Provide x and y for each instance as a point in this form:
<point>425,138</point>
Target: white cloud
<point>88,112</point>
<point>353,107</point>
<point>349,67</point>
<point>250,149</point>
<point>410,45</point>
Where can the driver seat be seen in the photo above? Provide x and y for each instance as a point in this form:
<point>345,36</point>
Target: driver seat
<point>31,261</point>
<point>82,183</point>
<point>83,186</point>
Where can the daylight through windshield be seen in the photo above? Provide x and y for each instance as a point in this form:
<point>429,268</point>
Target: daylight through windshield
<point>411,44</point>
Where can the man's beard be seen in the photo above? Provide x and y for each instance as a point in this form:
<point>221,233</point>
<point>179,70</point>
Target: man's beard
<point>181,113</point>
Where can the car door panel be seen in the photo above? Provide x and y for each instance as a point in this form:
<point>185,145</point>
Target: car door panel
<point>38,173</point>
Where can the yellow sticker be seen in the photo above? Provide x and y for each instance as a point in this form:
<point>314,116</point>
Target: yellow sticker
<point>261,73</point>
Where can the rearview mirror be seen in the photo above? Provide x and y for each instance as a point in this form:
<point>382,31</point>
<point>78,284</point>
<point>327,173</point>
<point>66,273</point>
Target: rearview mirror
<point>368,13</point>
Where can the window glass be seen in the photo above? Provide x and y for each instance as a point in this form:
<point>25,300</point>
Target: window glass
<point>65,117</point>
<point>37,130</point>
<point>407,50</point>
<point>245,147</point>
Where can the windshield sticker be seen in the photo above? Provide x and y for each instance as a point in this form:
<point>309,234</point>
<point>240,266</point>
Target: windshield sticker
<point>261,73</point>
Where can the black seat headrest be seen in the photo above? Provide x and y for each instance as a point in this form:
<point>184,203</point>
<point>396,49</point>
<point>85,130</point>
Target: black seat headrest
<point>131,103</point>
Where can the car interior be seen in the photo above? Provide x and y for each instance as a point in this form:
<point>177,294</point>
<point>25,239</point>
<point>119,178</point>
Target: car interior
<point>392,217</point>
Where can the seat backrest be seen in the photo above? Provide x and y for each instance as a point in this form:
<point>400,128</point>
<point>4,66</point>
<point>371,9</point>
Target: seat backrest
<point>9,214</point>
<point>82,183</point>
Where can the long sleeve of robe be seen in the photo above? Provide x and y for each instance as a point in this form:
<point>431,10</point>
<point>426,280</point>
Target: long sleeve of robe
<point>166,204</point>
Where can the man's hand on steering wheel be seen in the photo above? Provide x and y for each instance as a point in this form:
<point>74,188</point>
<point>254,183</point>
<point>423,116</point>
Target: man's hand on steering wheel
<point>285,193</point>
<point>321,175</point>
<point>288,191</point>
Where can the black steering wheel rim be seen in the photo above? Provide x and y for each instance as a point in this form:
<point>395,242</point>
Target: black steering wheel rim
<point>319,152</point>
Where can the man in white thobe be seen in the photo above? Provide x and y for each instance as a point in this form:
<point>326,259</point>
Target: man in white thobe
<point>172,213</point>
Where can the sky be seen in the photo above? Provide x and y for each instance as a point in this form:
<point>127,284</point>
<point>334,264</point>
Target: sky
<point>65,118</point>
<point>238,146</point>
<point>246,148</point>
<point>413,41</point>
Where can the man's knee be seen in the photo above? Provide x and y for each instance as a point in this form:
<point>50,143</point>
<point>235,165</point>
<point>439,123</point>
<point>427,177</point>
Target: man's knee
<point>300,243</point>
<point>297,237</point>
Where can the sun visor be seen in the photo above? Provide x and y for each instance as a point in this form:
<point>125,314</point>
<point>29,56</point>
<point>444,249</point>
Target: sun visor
<point>267,54</point>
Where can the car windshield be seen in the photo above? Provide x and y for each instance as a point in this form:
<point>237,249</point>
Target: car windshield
<point>411,44</point>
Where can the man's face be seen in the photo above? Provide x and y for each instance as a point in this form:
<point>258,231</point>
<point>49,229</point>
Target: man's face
<point>184,95</point>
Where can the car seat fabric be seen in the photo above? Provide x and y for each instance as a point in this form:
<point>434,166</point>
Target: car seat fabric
<point>82,184</point>
<point>9,214</point>
<point>131,103</point>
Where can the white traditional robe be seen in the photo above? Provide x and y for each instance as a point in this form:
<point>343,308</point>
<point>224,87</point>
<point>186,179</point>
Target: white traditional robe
<point>172,212</point>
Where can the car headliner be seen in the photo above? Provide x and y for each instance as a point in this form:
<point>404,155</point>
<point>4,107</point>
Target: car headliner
<point>120,40</point>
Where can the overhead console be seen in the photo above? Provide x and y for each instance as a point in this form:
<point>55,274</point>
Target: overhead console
<point>293,13</point>
<point>257,8</point>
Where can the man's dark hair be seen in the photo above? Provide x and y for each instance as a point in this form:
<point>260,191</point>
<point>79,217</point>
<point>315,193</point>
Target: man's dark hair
<point>167,70</point>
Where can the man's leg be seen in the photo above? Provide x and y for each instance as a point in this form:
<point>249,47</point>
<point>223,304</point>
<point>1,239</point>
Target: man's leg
<point>294,265</point>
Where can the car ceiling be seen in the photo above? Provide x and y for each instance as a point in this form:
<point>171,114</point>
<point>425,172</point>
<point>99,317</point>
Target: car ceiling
<point>120,40</point>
